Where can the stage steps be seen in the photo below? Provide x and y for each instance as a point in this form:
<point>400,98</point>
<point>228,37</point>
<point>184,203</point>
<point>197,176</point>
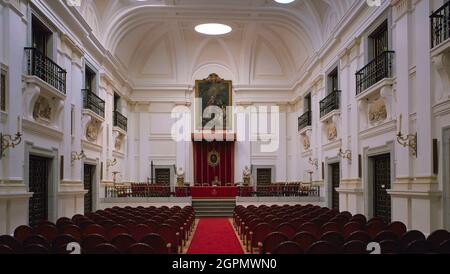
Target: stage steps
<point>214,208</point>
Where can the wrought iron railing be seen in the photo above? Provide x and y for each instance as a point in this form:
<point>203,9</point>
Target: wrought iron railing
<point>377,70</point>
<point>330,103</point>
<point>43,67</point>
<point>280,190</point>
<point>304,120</point>
<point>440,25</point>
<point>145,190</point>
<point>92,102</point>
<point>120,120</point>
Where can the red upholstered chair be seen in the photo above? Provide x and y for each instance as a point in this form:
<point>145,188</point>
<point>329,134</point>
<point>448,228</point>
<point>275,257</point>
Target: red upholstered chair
<point>444,248</point>
<point>409,237</point>
<point>322,247</point>
<point>288,248</point>
<point>376,219</point>
<point>375,227</point>
<point>437,238</point>
<point>297,222</point>
<point>85,223</point>
<point>107,224</point>
<point>386,235</point>
<point>153,225</point>
<point>271,241</point>
<point>94,229</point>
<point>73,231</point>
<point>104,248</point>
<point>359,236</point>
<point>276,222</point>
<point>22,232</point>
<point>116,230</point>
<point>333,237</point>
<point>331,226</point>
<point>171,236</point>
<point>139,231</point>
<point>419,247</point>
<point>37,240</point>
<point>140,248</point>
<point>36,249</point>
<point>304,239</point>
<point>123,242</point>
<point>11,242</point>
<point>258,234</point>
<point>91,241</point>
<point>49,232</point>
<point>354,247</point>
<point>347,214</point>
<point>63,221</point>
<point>389,247</point>
<point>159,245</point>
<point>288,230</point>
<point>59,244</point>
<point>359,218</point>
<point>351,227</point>
<point>5,250</point>
<point>311,228</point>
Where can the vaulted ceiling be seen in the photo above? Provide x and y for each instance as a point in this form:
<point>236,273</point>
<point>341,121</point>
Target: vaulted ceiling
<point>155,42</point>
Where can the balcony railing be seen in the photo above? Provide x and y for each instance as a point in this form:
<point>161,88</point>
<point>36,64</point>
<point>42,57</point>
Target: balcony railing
<point>304,120</point>
<point>92,102</point>
<point>440,25</point>
<point>330,103</point>
<point>120,121</point>
<point>43,67</point>
<point>377,70</point>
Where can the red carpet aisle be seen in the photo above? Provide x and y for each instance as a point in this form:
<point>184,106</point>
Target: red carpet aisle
<point>215,236</point>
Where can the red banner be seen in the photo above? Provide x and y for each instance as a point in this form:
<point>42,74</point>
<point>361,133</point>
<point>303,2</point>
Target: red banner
<point>214,163</point>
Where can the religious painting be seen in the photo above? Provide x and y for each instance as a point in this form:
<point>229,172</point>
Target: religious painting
<point>213,158</point>
<point>215,95</point>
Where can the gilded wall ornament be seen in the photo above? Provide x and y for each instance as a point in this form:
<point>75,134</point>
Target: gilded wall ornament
<point>213,158</point>
<point>377,111</point>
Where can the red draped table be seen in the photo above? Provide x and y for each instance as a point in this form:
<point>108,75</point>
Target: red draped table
<point>217,192</point>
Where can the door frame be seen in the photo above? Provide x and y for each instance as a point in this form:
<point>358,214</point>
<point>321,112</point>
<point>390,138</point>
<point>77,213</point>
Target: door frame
<point>446,176</point>
<point>53,176</point>
<point>95,183</point>
<point>329,179</point>
<point>368,174</point>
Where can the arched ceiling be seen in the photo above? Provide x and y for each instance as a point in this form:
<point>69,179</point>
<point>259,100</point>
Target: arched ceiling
<point>155,42</point>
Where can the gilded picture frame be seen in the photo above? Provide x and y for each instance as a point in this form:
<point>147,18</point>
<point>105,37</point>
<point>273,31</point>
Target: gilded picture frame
<point>213,91</point>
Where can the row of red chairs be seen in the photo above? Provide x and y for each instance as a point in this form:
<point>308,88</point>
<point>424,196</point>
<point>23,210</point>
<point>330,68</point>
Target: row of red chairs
<point>117,230</point>
<point>313,229</point>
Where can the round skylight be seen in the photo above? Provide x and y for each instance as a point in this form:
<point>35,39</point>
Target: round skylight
<point>284,1</point>
<point>213,29</point>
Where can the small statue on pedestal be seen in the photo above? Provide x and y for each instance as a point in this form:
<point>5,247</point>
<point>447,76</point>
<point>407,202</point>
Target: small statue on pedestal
<point>180,177</point>
<point>246,175</point>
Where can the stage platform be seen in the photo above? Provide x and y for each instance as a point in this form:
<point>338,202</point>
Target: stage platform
<point>213,192</point>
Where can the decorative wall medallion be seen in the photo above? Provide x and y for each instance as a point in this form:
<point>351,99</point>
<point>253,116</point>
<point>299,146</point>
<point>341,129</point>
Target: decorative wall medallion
<point>213,158</point>
<point>377,111</point>
<point>42,111</point>
<point>92,131</point>
<point>118,143</point>
<point>331,131</point>
<point>306,142</point>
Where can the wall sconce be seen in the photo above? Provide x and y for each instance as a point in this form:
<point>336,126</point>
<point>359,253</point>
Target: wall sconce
<point>111,163</point>
<point>345,154</point>
<point>314,163</point>
<point>8,141</point>
<point>409,140</point>
<point>78,156</point>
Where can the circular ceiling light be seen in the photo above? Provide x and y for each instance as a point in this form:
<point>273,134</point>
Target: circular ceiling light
<point>213,29</point>
<point>284,1</point>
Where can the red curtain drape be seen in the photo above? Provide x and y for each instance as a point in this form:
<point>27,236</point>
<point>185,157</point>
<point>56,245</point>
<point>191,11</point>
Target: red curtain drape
<point>205,173</point>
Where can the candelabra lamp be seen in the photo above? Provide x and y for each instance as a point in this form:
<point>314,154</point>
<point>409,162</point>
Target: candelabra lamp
<point>111,163</point>
<point>345,154</point>
<point>409,140</point>
<point>314,163</point>
<point>78,156</point>
<point>9,141</point>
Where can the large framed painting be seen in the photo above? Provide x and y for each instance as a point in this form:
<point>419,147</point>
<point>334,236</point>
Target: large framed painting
<point>216,92</point>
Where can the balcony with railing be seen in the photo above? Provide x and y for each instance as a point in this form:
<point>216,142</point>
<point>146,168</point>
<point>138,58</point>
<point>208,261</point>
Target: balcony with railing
<point>120,121</point>
<point>93,103</point>
<point>378,69</point>
<point>330,103</point>
<point>440,25</point>
<point>304,120</point>
<point>44,68</point>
